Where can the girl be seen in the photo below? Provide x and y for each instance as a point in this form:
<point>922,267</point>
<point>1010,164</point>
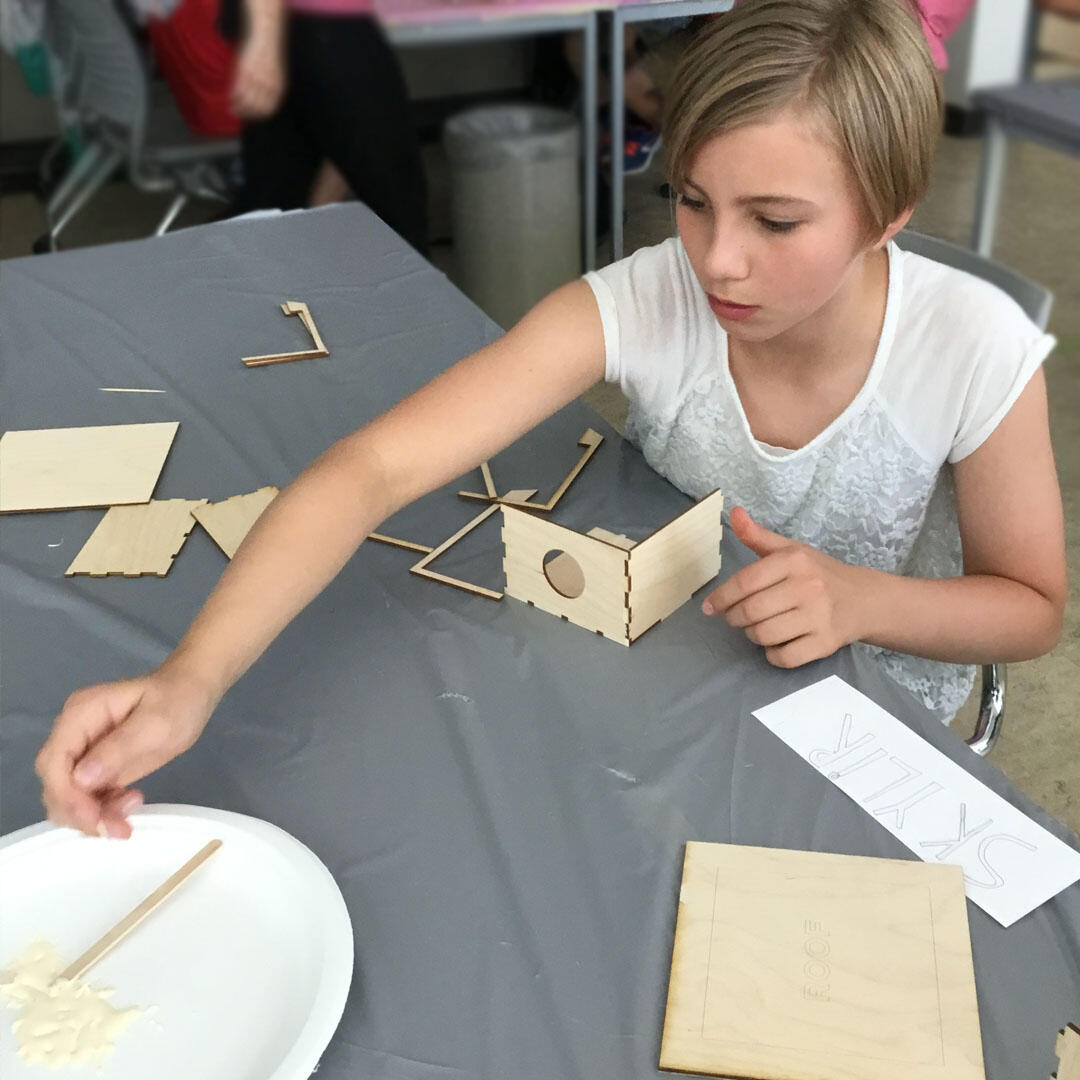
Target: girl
<point>880,418</point>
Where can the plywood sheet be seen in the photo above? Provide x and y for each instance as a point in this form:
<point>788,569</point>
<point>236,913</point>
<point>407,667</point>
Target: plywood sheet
<point>230,520</point>
<point>137,540</point>
<point>59,468</point>
<point>792,965</point>
<point>1068,1052</point>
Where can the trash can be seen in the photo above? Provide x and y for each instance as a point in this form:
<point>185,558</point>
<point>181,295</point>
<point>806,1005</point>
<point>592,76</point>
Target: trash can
<point>515,204</point>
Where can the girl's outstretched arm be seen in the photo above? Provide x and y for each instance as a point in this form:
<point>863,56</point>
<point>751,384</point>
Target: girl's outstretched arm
<point>109,736</point>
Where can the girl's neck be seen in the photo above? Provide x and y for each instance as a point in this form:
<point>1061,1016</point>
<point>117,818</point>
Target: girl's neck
<point>842,334</point>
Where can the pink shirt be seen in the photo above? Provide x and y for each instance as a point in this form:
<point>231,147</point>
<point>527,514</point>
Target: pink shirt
<point>940,19</point>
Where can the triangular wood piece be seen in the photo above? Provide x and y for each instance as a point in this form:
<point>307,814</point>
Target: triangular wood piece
<point>67,468</point>
<point>136,540</point>
<point>230,520</point>
<point>799,965</point>
<point>421,567</point>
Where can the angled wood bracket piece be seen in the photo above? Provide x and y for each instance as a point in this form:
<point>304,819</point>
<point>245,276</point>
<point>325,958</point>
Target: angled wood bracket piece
<point>293,307</point>
<point>1068,1052</point>
<point>590,440</point>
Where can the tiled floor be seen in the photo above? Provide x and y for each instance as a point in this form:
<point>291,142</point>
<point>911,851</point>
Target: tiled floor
<point>1039,235</point>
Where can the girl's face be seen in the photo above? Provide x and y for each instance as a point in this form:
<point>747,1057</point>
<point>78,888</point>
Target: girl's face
<point>771,221</point>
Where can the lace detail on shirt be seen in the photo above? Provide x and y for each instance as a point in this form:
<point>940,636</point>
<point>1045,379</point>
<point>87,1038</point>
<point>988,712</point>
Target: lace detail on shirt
<point>862,495</point>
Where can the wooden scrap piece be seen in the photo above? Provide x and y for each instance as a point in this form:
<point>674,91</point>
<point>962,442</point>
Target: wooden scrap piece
<point>421,567</point>
<point>293,307</point>
<point>137,540</point>
<point>796,965</point>
<point>590,440</point>
<point>230,520</point>
<point>68,468</point>
<point>1068,1053</point>
<point>408,545</point>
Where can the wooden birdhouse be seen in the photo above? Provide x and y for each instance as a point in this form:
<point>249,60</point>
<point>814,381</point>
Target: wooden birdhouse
<point>604,582</point>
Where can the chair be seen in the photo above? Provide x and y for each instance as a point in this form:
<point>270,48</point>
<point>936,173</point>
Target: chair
<point>102,81</point>
<point>1036,301</point>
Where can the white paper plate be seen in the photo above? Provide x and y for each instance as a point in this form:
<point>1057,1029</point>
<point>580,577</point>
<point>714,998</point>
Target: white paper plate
<point>247,965</point>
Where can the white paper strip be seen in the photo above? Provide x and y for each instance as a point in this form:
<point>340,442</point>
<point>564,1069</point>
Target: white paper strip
<point>1011,865</point>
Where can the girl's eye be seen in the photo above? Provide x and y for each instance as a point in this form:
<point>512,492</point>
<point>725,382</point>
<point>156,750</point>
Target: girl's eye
<point>778,226</point>
<point>691,204</point>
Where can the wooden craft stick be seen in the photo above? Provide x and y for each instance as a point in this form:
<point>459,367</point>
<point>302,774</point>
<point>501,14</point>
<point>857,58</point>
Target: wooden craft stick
<point>138,913</point>
<point>489,482</point>
<point>591,440</point>
<point>408,545</point>
<point>421,567</point>
<point>293,307</point>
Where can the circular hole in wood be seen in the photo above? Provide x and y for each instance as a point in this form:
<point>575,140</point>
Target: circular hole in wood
<point>564,574</point>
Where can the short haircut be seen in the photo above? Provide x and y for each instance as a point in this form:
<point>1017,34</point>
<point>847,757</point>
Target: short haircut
<point>861,69</point>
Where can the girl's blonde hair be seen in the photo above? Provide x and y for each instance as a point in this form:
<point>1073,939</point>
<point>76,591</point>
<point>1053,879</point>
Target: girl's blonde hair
<point>861,68</point>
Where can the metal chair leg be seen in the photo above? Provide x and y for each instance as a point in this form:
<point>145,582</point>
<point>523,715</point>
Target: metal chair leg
<point>98,175</point>
<point>178,203</point>
<point>991,709</point>
<point>988,198</point>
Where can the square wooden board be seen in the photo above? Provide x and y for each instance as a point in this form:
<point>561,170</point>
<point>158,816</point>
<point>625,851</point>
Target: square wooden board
<point>66,468</point>
<point>794,965</point>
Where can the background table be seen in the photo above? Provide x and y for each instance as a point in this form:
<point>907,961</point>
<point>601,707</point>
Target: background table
<point>502,797</point>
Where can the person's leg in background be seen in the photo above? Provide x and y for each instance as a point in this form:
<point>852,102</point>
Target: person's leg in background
<point>355,109</point>
<point>280,160</point>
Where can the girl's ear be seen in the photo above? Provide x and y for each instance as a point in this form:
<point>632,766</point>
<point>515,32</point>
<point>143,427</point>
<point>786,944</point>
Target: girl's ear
<point>894,227</point>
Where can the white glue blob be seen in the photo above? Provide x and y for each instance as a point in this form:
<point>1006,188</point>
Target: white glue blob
<point>61,1021</point>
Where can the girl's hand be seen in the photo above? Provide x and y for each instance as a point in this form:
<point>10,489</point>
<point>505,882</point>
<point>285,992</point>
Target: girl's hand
<point>111,735</point>
<point>797,602</point>
<point>259,79</point>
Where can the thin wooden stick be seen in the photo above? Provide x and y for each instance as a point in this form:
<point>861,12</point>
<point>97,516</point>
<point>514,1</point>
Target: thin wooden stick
<point>137,914</point>
<point>408,545</point>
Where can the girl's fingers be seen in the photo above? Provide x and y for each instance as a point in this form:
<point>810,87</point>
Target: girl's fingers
<point>775,599</point>
<point>778,629</point>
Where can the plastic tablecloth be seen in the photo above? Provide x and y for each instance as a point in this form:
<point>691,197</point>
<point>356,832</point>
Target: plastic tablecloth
<point>503,797</point>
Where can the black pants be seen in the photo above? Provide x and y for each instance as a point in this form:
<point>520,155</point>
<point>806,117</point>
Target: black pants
<point>346,101</point>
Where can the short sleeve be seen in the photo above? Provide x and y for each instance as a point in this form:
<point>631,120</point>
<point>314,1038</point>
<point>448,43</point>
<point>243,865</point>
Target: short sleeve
<point>1002,370</point>
<point>656,322</point>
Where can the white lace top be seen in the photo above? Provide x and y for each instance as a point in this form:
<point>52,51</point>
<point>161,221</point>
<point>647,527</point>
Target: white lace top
<point>874,488</point>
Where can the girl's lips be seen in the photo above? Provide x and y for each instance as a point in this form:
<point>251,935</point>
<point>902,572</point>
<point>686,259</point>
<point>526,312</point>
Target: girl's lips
<point>725,309</point>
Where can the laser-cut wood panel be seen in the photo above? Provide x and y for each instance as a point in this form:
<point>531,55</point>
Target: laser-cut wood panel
<point>795,965</point>
<point>136,540</point>
<point>61,468</point>
<point>230,520</point>
<point>1068,1053</point>
<point>604,582</point>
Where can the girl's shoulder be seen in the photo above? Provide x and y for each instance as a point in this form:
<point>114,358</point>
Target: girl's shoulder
<point>957,310</point>
<point>962,351</point>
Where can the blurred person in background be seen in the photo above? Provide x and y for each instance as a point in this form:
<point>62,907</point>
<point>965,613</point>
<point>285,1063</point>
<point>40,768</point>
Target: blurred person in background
<point>316,82</point>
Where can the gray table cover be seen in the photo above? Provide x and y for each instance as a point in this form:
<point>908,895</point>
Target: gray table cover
<point>502,797</point>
